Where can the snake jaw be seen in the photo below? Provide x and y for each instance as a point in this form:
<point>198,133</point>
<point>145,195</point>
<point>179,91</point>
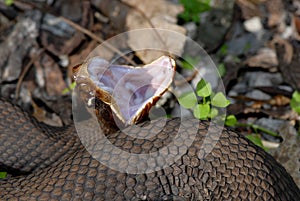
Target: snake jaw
<point>129,91</point>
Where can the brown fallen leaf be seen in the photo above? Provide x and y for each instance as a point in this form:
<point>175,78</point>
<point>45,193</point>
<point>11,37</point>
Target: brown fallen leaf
<point>78,58</point>
<point>249,9</point>
<point>279,100</point>
<point>275,9</point>
<point>51,74</point>
<point>59,37</point>
<point>284,50</point>
<point>115,11</point>
<point>245,105</point>
<point>161,14</point>
<point>296,20</point>
<point>41,115</point>
<point>288,54</point>
<point>265,58</point>
<point>16,46</point>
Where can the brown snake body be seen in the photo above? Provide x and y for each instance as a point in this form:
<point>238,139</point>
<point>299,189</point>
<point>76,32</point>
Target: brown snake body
<point>56,166</point>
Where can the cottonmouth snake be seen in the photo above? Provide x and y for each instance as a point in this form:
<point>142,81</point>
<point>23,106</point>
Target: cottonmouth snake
<point>57,167</point>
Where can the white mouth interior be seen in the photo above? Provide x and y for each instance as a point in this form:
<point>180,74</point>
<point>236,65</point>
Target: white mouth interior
<point>132,89</point>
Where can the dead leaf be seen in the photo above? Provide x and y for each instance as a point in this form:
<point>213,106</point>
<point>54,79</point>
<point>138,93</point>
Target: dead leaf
<point>288,54</point>
<point>162,15</point>
<point>52,74</point>
<point>249,9</point>
<point>265,58</point>
<point>275,10</point>
<point>81,56</point>
<point>280,100</point>
<point>58,37</point>
<point>296,33</point>
<point>115,11</point>
<point>41,115</point>
<point>283,49</point>
<point>17,45</point>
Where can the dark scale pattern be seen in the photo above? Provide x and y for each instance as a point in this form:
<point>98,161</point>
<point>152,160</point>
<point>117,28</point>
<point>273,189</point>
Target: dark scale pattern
<point>24,141</point>
<point>61,169</point>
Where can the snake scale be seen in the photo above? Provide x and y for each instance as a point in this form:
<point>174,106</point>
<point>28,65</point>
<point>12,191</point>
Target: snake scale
<point>52,164</point>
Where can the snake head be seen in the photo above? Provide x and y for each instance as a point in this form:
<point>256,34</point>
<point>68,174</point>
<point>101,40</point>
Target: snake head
<point>129,91</point>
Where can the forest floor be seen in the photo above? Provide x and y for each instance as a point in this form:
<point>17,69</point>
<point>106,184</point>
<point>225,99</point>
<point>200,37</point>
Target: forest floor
<point>254,44</point>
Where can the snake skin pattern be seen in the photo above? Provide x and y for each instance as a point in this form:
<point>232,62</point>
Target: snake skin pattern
<point>52,164</point>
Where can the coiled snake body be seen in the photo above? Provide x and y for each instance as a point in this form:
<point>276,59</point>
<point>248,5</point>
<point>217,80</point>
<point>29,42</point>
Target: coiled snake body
<point>57,167</point>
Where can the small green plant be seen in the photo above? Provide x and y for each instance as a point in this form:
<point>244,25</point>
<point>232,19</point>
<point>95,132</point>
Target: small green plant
<point>256,139</point>
<point>295,105</point>
<point>189,62</point>
<point>205,103</point>
<point>223,50</point>
<point>221,69</point>
<point>69,89</point>
<point>192,9</point>
<point>203,109</point>
<point>230,120</point>
<point>3,175</point>
<point>188,100</point>
<point>9,2</point>
<point>295,102</point>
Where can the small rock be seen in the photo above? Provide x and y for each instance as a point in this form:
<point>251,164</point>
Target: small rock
<point>256,79</point>
<point>191,29</point>
<point>258,95</point>
<point>214,26</point>
<point>239,88</point>
<point>253,24</point>
<point>243,42</point>
<point>270,124</point>
<point>265,58</point>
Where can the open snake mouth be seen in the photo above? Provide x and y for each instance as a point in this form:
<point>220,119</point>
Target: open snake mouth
<point>129,91</point>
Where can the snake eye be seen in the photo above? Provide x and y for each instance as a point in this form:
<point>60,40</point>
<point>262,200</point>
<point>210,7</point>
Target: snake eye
<point>129,91</point>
